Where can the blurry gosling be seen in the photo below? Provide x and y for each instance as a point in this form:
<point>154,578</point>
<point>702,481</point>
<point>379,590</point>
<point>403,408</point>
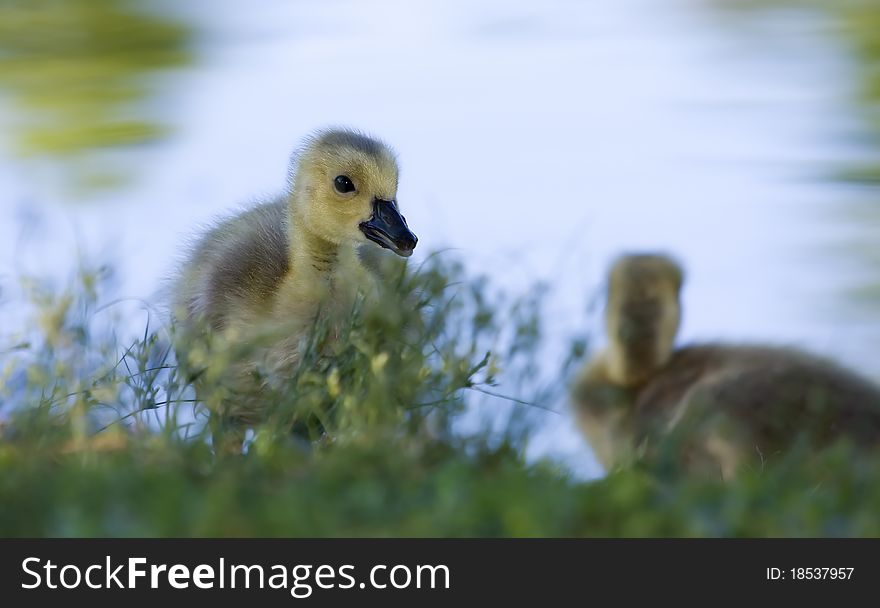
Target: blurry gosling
<point>269,270</point>
<point>716,407</point>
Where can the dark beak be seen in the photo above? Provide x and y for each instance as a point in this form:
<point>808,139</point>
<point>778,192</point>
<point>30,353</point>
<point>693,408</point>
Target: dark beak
<point>388,228</point>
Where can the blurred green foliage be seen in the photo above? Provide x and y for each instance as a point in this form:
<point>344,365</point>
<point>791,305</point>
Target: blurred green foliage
<point>382,486</point>
<point>79,74</point>
<point>855,24</point>
<point>103,439</point>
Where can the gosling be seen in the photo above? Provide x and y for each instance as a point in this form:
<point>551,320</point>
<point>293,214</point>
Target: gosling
<point>272,269</point>
<point>715,408</point>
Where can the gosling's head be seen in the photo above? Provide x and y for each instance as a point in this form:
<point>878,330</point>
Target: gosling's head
<point>642,315</point>
<point>345,191</point>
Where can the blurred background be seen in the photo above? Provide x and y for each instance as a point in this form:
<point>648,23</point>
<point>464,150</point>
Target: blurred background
<point>537,139</point>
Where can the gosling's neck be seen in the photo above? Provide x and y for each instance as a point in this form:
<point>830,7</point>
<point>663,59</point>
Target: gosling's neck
<point>317,266</point>
<point>632,365</point>
<point>311,255</point>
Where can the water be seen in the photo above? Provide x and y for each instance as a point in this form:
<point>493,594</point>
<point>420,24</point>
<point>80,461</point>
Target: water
<point>537,139</point>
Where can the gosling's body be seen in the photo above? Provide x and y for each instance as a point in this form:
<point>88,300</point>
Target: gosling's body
<point>241,277</point>
<point>718,407</point>
<point>257,282</point>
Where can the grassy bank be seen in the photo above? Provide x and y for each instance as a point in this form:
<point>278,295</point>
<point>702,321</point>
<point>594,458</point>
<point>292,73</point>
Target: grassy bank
<point>103,437</point>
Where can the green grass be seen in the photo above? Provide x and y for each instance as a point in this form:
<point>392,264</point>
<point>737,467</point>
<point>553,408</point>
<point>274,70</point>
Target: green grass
<point>103,438</point>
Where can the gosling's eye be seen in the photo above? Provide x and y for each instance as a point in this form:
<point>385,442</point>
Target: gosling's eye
<point>343,184</point>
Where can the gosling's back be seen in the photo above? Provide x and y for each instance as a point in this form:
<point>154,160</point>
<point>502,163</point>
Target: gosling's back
<point>238,265</point>
<point>779,395</point>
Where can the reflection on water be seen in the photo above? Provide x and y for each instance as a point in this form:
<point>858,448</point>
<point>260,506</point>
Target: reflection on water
<point>538,139</point>
<point>855,26</point>
<point>79,74</point>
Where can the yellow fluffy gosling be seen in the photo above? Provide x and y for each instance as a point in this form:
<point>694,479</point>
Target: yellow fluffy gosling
<point>269,270</point>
